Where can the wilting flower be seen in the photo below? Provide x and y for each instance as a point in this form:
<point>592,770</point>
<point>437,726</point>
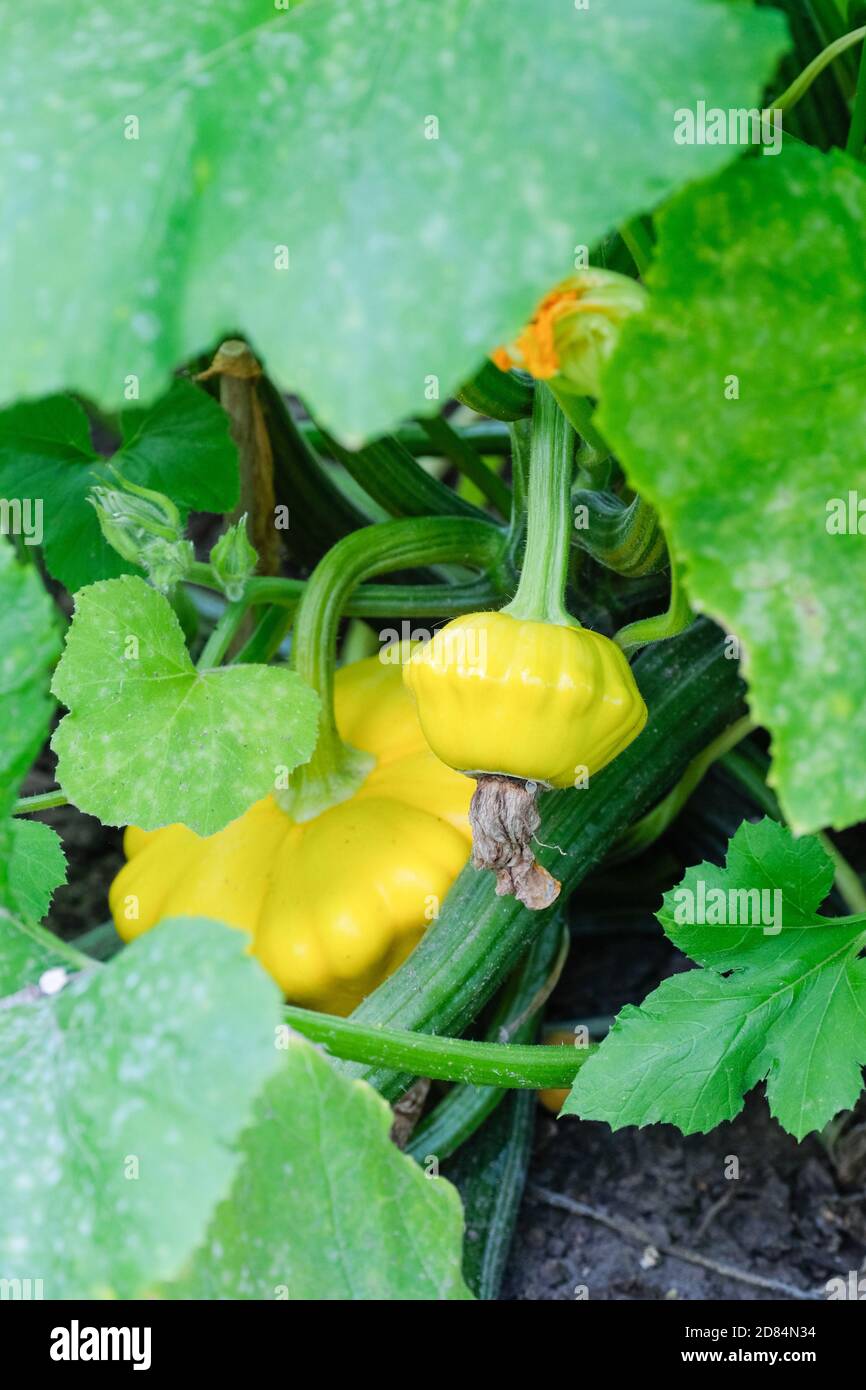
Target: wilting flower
<point>574,330</point>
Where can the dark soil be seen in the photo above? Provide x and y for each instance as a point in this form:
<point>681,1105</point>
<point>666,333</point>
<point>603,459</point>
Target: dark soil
<point>788,1217</point>
<point>795,1214</point>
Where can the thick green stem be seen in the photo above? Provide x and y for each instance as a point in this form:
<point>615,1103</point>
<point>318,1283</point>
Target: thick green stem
<point>442,1059</point>
<point>282,598</point>
<point>521,447</point>
<point>578,410</point>
<point>515,1019</point>
<point>335,771</point>
<point>540,594</point>
<point>42,801</point>
<point>377,600</point>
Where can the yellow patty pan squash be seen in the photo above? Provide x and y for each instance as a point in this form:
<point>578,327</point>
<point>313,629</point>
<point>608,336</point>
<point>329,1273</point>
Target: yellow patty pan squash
<point>335,903</point>
<point>535,700</point>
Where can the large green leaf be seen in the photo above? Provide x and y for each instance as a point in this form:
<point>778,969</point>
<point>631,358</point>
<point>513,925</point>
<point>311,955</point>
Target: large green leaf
<point>121,1100</point>
<point>782,998</point>
<point>151,740</point>
<point>29,644</point>
<point>324,1206</point>
<point>171,158</point>
<point>180,446</point>
<point>759,277</point>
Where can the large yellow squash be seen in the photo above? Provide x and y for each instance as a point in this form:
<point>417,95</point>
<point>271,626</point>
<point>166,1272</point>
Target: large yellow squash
<point>335,903</point>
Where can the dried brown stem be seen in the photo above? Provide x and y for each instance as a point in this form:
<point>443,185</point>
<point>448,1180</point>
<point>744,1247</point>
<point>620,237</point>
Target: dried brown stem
<point>238,371</point>
<point>504,818</point>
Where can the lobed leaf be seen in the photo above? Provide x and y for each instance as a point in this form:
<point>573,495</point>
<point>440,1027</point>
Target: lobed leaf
<point>149,739</point>
<point>35,868</point>
<point>782,999</point>
<point>181,446</point>
<point>29,644</point>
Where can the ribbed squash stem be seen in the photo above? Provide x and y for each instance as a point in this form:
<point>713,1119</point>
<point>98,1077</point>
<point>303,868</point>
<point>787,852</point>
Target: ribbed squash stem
<point>377,600</point>
<point>624,537</point>
<point>335,770</point>
<point>540,594</point>
<point>281,598</point>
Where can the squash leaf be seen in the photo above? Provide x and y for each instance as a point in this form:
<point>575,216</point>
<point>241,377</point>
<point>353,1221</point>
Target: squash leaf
<point>150,740</point>
<point>36,867</point>
<point>29,645</point>
<point>324,1207</point>
<point>121,1098</point>
<point>26,951</point>
<point>781,998</point>
<point>737,403</point>
<point>375,193</point>
<point>181,446</point>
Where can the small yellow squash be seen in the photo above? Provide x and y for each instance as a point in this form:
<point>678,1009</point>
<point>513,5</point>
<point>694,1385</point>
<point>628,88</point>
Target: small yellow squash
<point>335,903</point>
<point>535,700</point>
